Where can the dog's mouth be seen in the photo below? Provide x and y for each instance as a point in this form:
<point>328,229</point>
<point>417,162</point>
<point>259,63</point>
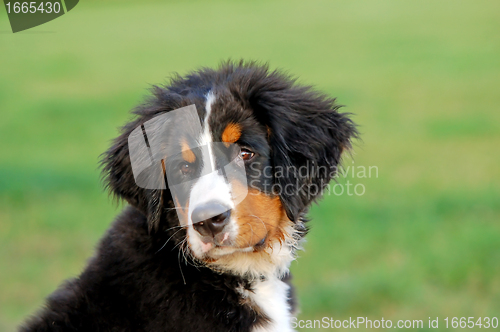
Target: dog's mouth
<point>223,245</point>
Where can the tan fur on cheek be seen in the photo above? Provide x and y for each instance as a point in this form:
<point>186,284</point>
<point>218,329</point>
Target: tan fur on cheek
<point>259,217</point>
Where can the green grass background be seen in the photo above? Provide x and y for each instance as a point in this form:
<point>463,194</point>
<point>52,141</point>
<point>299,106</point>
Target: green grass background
<point>421,77</point>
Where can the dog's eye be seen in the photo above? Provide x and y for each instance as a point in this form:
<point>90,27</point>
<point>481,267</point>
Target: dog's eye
<point>186,168</point>
<point>246,154</point>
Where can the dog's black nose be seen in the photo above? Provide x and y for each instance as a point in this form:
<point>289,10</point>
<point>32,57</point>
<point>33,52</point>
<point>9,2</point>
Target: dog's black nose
<point>210,219</point>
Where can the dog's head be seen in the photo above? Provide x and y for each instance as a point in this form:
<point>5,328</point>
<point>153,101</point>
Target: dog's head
<point>238,154</point>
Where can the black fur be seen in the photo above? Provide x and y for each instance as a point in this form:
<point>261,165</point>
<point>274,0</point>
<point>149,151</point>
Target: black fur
<point>136,282</point>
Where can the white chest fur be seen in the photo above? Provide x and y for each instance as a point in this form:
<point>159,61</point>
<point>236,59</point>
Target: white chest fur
<point>271,297</point>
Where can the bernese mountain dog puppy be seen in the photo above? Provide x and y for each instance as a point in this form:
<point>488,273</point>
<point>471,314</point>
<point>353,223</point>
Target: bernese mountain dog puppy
<point>218,196</point>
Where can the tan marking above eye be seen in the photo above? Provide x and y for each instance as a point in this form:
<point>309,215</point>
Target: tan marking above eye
<point>187,154</point>
<point>232,133</point>
<point>268,131</point>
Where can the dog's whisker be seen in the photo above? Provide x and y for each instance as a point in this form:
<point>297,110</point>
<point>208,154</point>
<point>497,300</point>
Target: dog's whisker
<point>179,244</point>
<point>174,208</point>
<point>167,241</point>
<point>180,226</point>
<point>180,268</point>
<point>190,259</point>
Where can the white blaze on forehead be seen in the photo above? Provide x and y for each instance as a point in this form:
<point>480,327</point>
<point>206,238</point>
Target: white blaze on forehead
<point>206,137</point>
<point>211,187</point>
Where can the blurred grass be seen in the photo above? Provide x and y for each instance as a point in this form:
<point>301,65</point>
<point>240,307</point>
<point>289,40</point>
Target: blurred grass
<point>421,77</point>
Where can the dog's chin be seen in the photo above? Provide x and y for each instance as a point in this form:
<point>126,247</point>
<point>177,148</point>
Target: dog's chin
<point>211,252</point>
<point>209,249</point>
<point>220,251</point>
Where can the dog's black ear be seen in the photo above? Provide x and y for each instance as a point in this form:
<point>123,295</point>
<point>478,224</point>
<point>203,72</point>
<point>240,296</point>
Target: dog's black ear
<point>116,166</point>
<point>307,135</point>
